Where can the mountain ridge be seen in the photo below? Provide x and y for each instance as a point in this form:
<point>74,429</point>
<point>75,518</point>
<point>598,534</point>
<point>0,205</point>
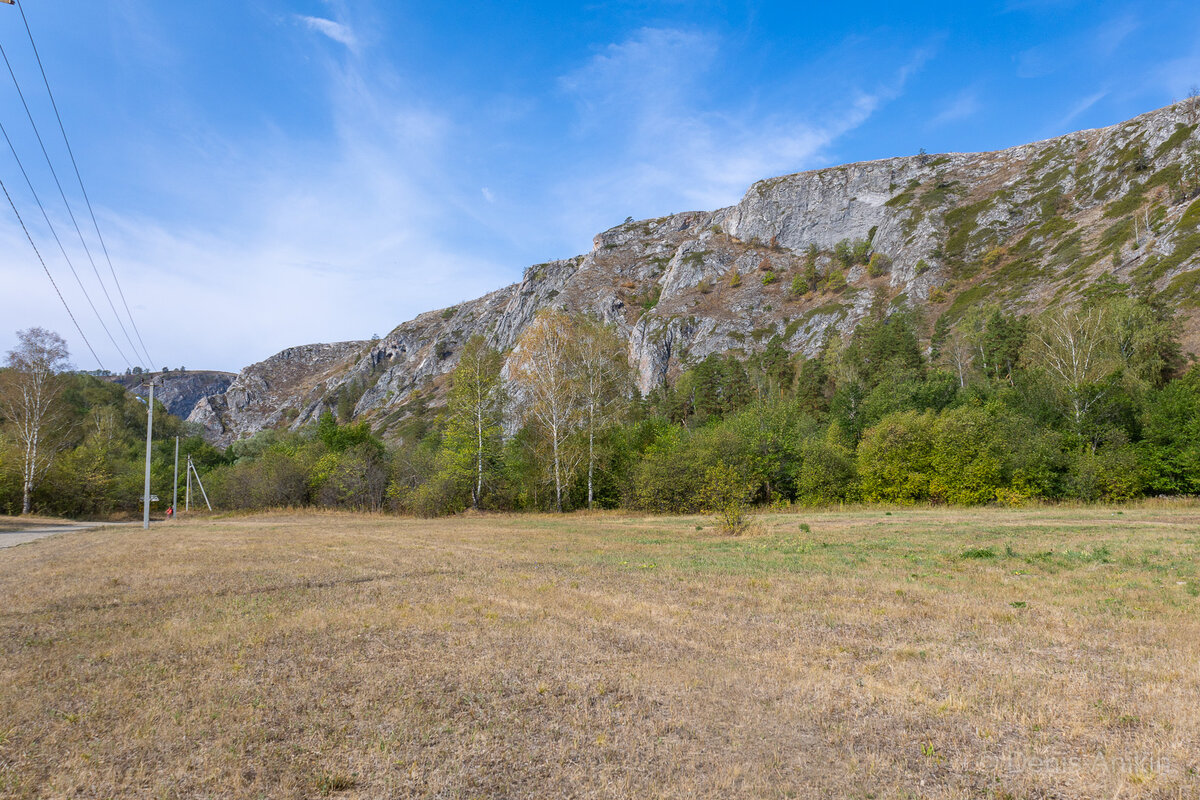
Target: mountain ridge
<point>1025,227</point>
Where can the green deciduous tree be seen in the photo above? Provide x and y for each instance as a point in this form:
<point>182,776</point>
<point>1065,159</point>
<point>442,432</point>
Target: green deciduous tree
<point>30,401</point>
<point>604,383</point>
<point>1076,354</point>
<point>541,366</point>
<point>895,458</point>
<point>475,411</point>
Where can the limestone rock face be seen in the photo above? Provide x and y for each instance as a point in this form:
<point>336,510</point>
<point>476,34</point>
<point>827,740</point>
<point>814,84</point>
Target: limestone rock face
<point>178,390</point>
<point>1024,228</point>
<point>289,388</point>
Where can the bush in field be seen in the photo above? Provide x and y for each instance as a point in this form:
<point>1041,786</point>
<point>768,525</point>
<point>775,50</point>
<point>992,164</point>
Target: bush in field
<point>277,478</point>
<point>1111,473</point>
<point>968,457</point>
<point>1170,450</point>
<point>826,473</point>
<point>437,497</point>
<point>895,458</point>
<point>726,494</point>
<point>878,265</point>
<point>669,476</point>
<point>356,479</point>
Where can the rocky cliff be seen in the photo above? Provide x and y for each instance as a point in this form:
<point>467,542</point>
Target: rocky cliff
<point>1025,227</point>
<point>178,390</point>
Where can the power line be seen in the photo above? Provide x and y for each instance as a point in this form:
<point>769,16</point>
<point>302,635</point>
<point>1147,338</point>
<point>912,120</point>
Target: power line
<point>48,275</point>
<point>79,177</point>
<point>54,233</point>
<point>66,203</point>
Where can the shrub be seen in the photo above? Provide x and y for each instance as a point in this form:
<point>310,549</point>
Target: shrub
<point>878,265</point>
<point>895,458</point>
<point>826,473</point>
<point>725,495</point>
<point>836,281</point>
<point>967,459</point>
<point>649,299</point>
<point>1111,473</point>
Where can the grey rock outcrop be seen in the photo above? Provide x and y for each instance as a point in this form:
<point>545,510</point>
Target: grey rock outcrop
<point>289,388</point>
<point>178,390</point>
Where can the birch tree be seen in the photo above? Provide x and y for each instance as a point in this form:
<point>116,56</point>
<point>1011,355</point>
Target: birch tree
<point>542,367</point>
<point>1074,348</point>
<point>476,406</point>
<point>30,402</point>
<point>603,379</point>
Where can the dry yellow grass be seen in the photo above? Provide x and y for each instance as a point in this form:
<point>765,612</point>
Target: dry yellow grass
<point>935,654</point>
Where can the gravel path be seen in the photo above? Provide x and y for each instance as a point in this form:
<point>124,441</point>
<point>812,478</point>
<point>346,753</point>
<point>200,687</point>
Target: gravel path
<point>33,532</point>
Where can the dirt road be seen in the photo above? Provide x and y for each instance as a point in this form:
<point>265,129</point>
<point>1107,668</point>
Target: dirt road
<point>38,530</point>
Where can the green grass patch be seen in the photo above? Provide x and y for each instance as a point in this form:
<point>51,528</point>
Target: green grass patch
<point>1185,288</point>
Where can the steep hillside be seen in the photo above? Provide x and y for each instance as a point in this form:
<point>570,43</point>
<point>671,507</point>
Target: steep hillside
<point>178,390</point>
<point>289,387</point>
<point>799,257</point>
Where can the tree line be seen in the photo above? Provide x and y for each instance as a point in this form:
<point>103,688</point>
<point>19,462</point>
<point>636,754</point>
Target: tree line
<point>1093,403</point>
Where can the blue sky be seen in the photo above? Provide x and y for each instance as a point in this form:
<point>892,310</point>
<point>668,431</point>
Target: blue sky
<point>270,173</point>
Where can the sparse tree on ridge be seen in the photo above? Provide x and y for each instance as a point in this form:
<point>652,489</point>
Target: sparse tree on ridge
<point>30,401</point>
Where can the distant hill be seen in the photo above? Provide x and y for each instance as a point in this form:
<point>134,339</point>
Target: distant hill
<point>799,257</point>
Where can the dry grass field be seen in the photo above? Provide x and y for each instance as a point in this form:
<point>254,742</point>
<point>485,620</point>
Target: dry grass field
<point>920,653</point>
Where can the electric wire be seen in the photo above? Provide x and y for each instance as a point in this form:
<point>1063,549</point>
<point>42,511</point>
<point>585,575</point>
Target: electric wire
<point>79,177</point>
<point>54,233</point>
<point>82,335</point>
<point>66,203</point>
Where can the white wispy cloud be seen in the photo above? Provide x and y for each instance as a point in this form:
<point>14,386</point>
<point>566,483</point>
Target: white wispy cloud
<point>1110,35</point>
<point>1180,75</point>
<point>277,238</point>
<point>1077,110</point>
<point>289,239</point>
<point>679,147</point>
<point>1081,46</point>
<point>337,31</point>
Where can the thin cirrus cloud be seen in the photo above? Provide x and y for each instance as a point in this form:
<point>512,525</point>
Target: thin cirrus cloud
<point>314,240</point>
<point>337,31</point>
<point>1079,109</point>
<point>671,141</point>
<point>1096,43</point>
<point>319,233</point>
